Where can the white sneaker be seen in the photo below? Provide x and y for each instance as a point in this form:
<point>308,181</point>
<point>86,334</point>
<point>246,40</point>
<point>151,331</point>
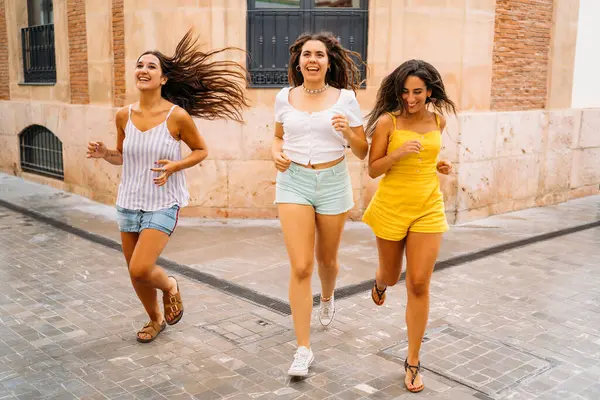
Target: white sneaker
<point>327,311</point>
<point>302,360</point>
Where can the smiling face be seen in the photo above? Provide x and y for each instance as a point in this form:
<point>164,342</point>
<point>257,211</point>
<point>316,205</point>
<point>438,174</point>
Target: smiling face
<point>148,73</point>
<point>415,94</point>
<point>314,61</point>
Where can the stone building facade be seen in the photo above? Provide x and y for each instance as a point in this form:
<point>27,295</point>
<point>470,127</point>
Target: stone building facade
<point>508,64</point>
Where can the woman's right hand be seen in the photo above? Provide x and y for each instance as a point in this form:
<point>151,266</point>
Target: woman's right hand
<point>96,150</point>
<point>282,163</point>
<point>408,147</point>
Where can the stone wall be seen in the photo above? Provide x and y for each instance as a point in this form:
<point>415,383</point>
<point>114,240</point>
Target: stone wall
<point>514,160</point>
<point>98,16</point>
<point>98,42</point>
<point>504,161</point>
<point>565,40</point>
<point>16,19</point>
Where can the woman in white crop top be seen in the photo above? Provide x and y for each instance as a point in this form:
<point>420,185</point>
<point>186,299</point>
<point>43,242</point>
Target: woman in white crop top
<point>316,120</point>
<point>149,136</point>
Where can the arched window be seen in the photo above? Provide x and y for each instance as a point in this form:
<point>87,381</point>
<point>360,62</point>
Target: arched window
<point>273,25</point>
<point>41,152</point>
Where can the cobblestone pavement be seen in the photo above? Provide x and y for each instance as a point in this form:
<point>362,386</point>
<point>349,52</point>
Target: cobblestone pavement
<point>523,324</point>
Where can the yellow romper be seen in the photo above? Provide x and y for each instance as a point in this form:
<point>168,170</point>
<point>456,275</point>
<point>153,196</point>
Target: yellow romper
<point>409,197</point>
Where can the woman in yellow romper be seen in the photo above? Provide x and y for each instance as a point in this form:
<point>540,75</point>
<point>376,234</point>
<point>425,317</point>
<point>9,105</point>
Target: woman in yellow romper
<point>407,211</point>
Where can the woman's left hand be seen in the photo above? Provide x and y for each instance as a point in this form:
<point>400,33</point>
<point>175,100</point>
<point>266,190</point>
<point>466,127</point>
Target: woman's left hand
<point>340,124</point>
<point>167,168</point>
<point>444,167</point>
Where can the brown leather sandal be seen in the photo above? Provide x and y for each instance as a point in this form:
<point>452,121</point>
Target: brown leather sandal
<point>151,329</point>
<point>414,370</point>
<point>173,305</point>
<point>379,293</point>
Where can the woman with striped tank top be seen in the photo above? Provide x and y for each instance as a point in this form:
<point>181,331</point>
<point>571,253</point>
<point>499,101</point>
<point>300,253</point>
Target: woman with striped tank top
<point>149,136</point>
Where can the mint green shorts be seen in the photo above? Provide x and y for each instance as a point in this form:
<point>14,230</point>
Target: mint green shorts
<point>328,191</point>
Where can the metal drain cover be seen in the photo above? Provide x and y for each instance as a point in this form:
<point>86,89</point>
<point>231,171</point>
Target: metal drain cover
<point>244,329</point>
<point>481,363</point>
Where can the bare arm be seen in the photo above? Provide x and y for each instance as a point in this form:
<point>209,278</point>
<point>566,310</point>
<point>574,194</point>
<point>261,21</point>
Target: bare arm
<point>279,158</point>
<point>443,167</point>
<point>277,145</point>
<point>190,135</point>
<point>354,135</point>
<point>379,161</point>
<point>115,157</point>
<point>358,141</point>
<point>442,123</point>
<point>99,150</point>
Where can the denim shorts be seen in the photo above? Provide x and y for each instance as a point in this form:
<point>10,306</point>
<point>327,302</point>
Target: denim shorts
<point>164,220</point>
<point>328,190</point>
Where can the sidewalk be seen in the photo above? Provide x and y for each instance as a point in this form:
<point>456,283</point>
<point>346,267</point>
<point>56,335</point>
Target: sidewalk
<point>517,325</point>
<point>248,257</point>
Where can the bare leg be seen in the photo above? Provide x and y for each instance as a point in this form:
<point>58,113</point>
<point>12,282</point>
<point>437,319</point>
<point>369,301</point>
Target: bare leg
<point>329,235</point>
<point>298,226</point>
<point>421,253</point>
<point>146,276</point>
<point>389,269</point>
<point>390,262</point>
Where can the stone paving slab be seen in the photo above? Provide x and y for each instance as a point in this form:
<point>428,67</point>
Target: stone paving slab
<point>260,261</point>
<point>478,362</point>
<point>68,318</point>
<point>246,329</point>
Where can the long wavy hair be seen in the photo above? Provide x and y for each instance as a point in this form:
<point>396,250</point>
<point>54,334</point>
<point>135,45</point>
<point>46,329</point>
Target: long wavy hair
<point>389,96</point>
<point>344,73</point>
<point>203,87</point>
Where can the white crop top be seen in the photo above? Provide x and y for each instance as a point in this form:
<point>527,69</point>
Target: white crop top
<point>310,137</point>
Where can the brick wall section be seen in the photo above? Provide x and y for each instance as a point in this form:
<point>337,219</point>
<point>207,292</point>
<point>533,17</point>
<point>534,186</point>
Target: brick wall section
<point>4,87</point>
<point>118,37</point>
<point>522,38</point>
<point>78,60</point>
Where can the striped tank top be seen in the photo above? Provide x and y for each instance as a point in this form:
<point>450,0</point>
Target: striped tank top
<point>141,150</point>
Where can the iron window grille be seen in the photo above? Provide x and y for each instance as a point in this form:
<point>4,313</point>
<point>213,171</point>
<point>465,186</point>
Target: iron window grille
<point>41,152</point>
<point>273,25</point>
<point>39,61</point>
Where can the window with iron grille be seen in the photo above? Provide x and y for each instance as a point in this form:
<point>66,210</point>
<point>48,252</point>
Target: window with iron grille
<point>273,25</point>
<point>41,152</point>
<point>37,41</point>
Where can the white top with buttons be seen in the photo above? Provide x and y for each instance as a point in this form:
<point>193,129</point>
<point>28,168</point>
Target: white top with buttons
<point>310,137</point>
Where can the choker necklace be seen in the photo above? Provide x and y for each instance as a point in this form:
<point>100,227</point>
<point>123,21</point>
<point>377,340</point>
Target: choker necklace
<point>315,91</point>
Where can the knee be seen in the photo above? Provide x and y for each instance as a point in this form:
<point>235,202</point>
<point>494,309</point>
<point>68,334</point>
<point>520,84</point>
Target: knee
<point>302,270</point>
<point>417,287</point>
<point>329,263</point>
<point>139,272</point>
